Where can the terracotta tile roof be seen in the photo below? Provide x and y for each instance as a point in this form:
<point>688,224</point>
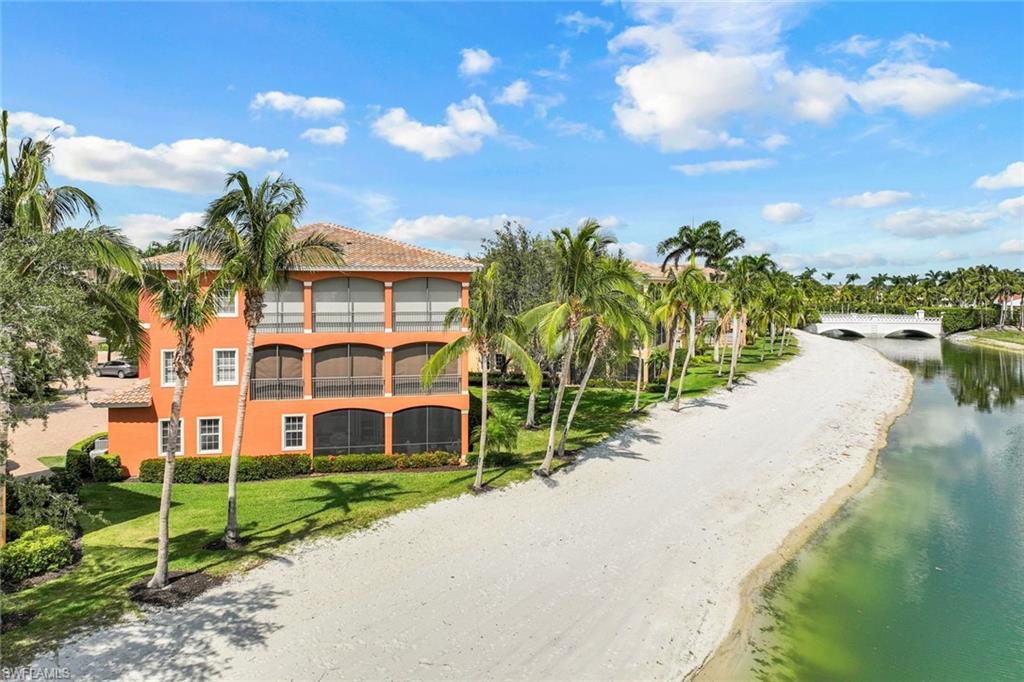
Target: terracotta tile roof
<point>653,272</point>
<point>136,395</point>
<point>365,251</point>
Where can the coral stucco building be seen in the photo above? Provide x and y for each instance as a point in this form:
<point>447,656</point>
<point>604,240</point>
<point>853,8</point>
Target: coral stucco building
<point>336,365</point>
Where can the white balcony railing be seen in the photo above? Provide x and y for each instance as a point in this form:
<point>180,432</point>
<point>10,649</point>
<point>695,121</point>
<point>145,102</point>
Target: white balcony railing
<point>348,387</point>
<point>420,321</point>
<point>281,323</point>
<point>276,389</point>
<point>348,322</point>
<point>411,384</point>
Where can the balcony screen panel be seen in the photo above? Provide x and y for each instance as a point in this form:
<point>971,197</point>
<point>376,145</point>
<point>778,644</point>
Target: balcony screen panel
<point>265,364</point>
<point>331,295</point>
<point>366,430</point>
<point>290,297</point>
<point>410,359</point>
<point>291,362</point>
<point>444,295</point>
<point>409,430</point>
<point>453,366</point>
<point>332,361</point>
<point>367,361</point>
<point>367,295</point>
<point>444,425</point>
<point>331,432</point>
<point>410,295</point>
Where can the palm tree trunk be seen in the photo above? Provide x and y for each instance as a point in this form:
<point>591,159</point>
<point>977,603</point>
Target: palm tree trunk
<point>771,329</point>
<point>691,346</point>
<point>531,411</point>
<point>782,341</point>
<point>735,350</point>
<point>673,335</point>
<point>478,484</point>
<point>721,360</point>
<point>231,537</point>
<point>594,352</point>
<point>6,382</point>
<point>545,467</point>
<point>159,579</point>
<point>639,377</point>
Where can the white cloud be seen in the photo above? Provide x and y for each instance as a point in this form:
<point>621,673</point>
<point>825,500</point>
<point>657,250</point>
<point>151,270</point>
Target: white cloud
<point>722,166</point>
<point>784,213</point>
<point>837,260</point>
<point>815,95</point>
<point>143,228</point>
<point>921,223</point>
<point>774,141</point>
<point>1014,206</point>
<point>578,22</point>
<point>28,124</point>
<point>885,197</point>
<point>442,227</point>
<point>1011,246</point>
<point>332,135</point>
<point>193,165</point>
<point>476,62</point>
<point>857,45</point>
<point>566,128</point>
<point>915,45</point>
<point>634,250</point>
<point>515,93</point>
<point>466,125</point>
<point>1011,176</point>
<point>759,247</point>
<point>917,89</point>
<point>297,105</point>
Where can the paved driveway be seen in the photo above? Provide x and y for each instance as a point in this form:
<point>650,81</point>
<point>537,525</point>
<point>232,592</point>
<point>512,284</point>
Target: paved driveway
<point>68,421</point>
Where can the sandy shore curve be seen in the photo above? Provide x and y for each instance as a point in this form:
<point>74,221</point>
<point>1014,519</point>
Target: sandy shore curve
<point>632,565</point>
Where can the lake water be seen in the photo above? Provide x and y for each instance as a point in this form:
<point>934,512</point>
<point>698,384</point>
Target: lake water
<point>920,576</point>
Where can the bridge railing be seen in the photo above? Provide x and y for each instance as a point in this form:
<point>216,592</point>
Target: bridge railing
<point>827,318</point>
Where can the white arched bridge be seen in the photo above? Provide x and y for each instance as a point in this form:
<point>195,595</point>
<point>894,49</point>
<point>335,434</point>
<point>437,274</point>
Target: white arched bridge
<point>878,326</point>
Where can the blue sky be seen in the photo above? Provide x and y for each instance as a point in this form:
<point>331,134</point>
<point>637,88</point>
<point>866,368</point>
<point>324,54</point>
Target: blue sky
<point>858,137</point>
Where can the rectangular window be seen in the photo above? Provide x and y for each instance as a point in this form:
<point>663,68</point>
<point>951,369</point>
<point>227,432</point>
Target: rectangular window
<point>167,373</point>
<point>293,432</point>
<point>208,429</point>
<point>165,428</point>
<point>225,366</point>
<point>227,305</point>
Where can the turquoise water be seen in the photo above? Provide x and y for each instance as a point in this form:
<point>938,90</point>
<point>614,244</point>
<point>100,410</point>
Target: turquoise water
<point>921,576</point>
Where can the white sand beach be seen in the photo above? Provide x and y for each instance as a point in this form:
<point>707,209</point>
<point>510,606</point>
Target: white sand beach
<point>628,566</point>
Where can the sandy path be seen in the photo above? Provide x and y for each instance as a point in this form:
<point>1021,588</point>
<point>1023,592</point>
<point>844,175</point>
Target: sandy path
<point>628,567</point>
<point>69,421</point>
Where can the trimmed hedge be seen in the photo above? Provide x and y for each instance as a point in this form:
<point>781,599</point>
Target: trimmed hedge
<point>215,469</point>
<point>497,459</point>
<point>38,551</point>
<point>333,464</point>
<point>107,468</point>
<point>77,460</point>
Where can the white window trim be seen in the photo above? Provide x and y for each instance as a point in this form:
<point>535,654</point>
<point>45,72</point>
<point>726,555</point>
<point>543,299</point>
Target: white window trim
<point>163,366</point>
<point>224,383</point>
<point>181,438</point>
<point>234,312</point>
<point>293,448</point>
<point>220,437</point>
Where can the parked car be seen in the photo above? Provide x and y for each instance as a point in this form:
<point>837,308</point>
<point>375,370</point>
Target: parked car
<point>117,368</point>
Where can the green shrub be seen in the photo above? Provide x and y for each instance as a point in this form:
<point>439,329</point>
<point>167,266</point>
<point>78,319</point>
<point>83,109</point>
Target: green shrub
<point>502,432</point>
<point>77,460</point>
<point>333,464</point>
<point>32,503</point>
<point>107,468</point>
<point>497,459</point>
<point>215,469</point>
<point>425,460</point>
<point>63,481</point>
<point>39,550</point>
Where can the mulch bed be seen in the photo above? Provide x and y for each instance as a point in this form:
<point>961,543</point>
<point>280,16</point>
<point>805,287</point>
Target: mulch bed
<point>182,587</point>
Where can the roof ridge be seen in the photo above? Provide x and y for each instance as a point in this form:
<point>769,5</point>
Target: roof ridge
<point>392,240</point>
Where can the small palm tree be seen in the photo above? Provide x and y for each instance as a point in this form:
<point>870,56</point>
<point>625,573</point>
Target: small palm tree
<point>668,311</point>
<point>250,232</point>
<point>188,307</point>
<point>641,337</point>
<point>701,296</point>
<point>491,329</point>
<point>744,284</point>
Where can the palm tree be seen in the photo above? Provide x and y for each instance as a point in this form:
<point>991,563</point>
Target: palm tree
<point>700,295</point>
<point>719,245</point>
<point>689,242</point>
<point>743,282</point>
<point>578,283</point>
<point>612,316</point>
<point>492,329</point>
<point>668,311</point>
<point>641,336</point>
<point>188,307</point>
<point>250,232</point>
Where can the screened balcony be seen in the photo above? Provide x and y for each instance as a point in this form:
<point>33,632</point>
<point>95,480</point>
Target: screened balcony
<point>283,309</point>
<point>276,373</point>
<point>348,304</point>
<point>426,429</point>
<point>407,366</point>
<point>348,370</point>
<point>346,432</point>
<point>420,304</point>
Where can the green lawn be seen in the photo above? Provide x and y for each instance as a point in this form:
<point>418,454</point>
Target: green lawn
<point>120,547</point>
<point>53,461</point>
<point>1005,335</point>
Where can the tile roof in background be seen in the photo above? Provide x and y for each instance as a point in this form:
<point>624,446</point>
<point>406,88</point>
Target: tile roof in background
<point>136,395</point>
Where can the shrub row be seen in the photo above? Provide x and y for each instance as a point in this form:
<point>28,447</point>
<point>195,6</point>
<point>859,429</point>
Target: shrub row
<point>497,459</point>
<point>378,462</point>
<point>77,460</point>
<point>215,469</point>
<point>37,551</point>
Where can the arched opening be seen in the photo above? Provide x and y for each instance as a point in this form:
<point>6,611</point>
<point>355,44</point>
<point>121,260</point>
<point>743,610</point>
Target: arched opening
<point>276,373</point>
<point>407,366</point>
<point>427,429</point>
<point>348,370</point>
<point>283,309</point>
<point>348,304</point>
<point>909,334</point>
<point>421,303</point>
<point>347,432</point>
<point>842,334</point>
